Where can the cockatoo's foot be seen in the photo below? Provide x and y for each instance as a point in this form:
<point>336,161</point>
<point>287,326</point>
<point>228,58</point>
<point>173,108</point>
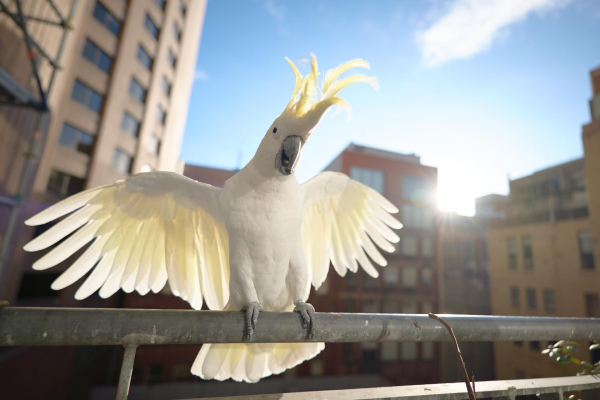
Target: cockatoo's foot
<point>308,315</point>
<point>252,310</point>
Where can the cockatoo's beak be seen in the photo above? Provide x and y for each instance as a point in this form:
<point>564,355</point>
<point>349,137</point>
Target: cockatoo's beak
<point>288,155</point>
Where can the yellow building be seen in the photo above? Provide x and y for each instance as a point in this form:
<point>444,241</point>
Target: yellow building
<point>544,257</point>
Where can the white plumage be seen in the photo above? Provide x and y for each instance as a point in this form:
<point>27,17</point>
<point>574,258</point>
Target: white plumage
<point>256,244</point>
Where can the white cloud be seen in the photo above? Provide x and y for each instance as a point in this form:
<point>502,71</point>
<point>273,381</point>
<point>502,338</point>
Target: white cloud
<point>200,75</point>
<point>471,26</point>
<point>275,11</point>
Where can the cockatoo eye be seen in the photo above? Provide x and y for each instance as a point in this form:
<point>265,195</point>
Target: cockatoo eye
<point>275,130</point>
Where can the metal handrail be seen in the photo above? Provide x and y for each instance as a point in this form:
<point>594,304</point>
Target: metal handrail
<point>30,326</point>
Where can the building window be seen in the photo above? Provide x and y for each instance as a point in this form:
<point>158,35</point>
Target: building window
<point>527,253</point>
<point>160,4</point>
<point>137,91</point>
<point>176,31</point>
<point>417,217</point>
<point>151,27</point>
<point>350,279</point>
<point>515,300</point>
<point>390,276</point>
<point>388,351</point>
<point>535,345</point>
<point>370,177</point>
<point>87,96</point>
<point>416,190</point>
<point>586,249</point>
<point>348,353</point>
<point>592,305</point>
<point>409,277</point>
<point>36,286</point>
<point>350,306</point>
<point>122,161</point>
<point>97,56</point>
<point>549,301</point>
<point>107,19</point>
<point>511,244</point>
<point>390,306</point>
<point>144,58</point>
<point>156,373</point>
<point>408,350</point>
<point>427,351</point>
<point>531,299</point>
<point>369,282</point>
<point>182,7</point>
<point>172,58</point>
<point>130,125</point>
<point>166,86</point>
<point>64,185</point>
<point>153,145</point>
<point>161,115</point>
<point>426,247</point>
<point>409,245</point>
<point>518,343</point>
<point>427,276</point>
<point>76,139</point>
<point>181,372</point>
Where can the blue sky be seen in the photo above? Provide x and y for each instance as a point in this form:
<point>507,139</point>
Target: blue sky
<point>481,90</point>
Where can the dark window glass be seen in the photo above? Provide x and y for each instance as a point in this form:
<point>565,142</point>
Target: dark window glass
<point>36,286</point>
<point>350,305</point>
<point>64,185</point>
<point>586,249</point>
<point>151,27</point>
<point>130,125</point>
<point>592,305</point>
<point>160,4</point>
<point>156,373</point>
<point>181,7</point>
<point>161,115</point>
<point>153,145</point>
<point>107,19</point>
<point>144,57</point>
<point>527,253</point>
<point>76,139</point>
<point>511,244</point>
<point>549,301</point>
<point>535,345</point>
<point>515,300</point>
<point>97,56</point>
<point>87,96</point>
<point>172,58</point>
<point>518,343</point>
<point>176,31</point>
<point>137,91</point>
<point>531,298</point>
<point>122,161</point>
<point>166,86</point>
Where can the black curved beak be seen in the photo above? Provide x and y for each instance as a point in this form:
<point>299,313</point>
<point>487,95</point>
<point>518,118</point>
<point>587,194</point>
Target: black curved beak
<point>288,156</point>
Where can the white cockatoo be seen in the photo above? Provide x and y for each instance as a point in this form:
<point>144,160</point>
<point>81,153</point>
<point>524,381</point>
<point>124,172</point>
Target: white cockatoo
<point>256,244</point>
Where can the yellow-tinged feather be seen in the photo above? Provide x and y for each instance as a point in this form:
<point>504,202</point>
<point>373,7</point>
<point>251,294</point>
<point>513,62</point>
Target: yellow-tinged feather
<point>334,73</point>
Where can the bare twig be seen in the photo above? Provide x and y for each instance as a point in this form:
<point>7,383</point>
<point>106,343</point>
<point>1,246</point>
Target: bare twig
<point>470,390</point>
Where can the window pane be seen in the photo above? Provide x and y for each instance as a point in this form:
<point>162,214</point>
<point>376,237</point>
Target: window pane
<point>85,143</point>
<point>427,350</point>
<point>95,102</point>
<point>151,26</point>
<point>527,253</point>
<point>130,125</point>
<point>160,4</point>
<point>549,301</point>
<point>68,136</point>
<point>426,276</point>
<point>370,177</point>
<point>592,305</point>
<point>391,276</point>
<point>172,58</point>
<point>426,247</point>
<point>144,57</point>
<point>137,91</point>
<point>79,92</point>
<point>586,249</point>
<point>89,51</point>
<point>87,96</point>
<point>417,190</point>
<point>409,277</point>
<point>417,217</point>
<point>56,183</point>
<point>511,245</point>
<point>105,62</point>
<point>75,186</point>
<point>531,298</point>
<point>160,115</point>
<point>176,31</point>
<point>121,161</point>
<point>389,351</point>
<point>166,86</point>
<point>515,301</point>
<point>409,245</point>
<point>98,57</point>
<point>153,145</point>
<point>107,19</point>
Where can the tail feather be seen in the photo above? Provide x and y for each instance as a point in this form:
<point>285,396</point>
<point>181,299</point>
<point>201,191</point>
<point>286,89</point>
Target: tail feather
<point>251,362</point>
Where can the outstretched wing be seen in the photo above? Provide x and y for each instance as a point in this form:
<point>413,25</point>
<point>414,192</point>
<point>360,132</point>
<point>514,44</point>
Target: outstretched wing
<point>342,218</point>
<point>144,230</point>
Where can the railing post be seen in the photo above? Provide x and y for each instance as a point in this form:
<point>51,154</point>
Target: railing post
<point>126,369</point>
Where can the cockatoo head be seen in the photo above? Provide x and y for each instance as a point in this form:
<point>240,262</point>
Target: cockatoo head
<point>288,134</point>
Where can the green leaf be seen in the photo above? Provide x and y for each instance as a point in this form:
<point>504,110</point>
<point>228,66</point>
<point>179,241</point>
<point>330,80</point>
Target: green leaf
<point>575,360</point>
<point>563,360</point>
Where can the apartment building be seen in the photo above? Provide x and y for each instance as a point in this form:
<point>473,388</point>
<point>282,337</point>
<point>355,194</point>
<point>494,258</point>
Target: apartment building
<point>544,257</point>
<point>118,106</point>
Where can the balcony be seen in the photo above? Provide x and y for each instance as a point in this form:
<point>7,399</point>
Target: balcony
<point>132,328</point>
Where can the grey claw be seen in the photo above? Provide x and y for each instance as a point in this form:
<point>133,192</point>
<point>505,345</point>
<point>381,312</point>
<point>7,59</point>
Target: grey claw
<point>252,310</point>
<point>307,311</point>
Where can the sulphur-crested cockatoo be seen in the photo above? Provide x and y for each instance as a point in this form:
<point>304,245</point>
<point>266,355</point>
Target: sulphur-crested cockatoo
<point>254,245</point>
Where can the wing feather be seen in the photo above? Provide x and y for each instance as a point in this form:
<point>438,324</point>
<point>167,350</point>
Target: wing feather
<point>341,221</point>
<point>144,231</point>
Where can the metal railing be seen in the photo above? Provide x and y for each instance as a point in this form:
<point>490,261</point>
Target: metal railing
<point>131,328</point>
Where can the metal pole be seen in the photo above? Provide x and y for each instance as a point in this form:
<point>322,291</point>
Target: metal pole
<point>81,326</point>
<point>126,369</point>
